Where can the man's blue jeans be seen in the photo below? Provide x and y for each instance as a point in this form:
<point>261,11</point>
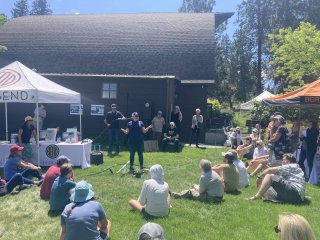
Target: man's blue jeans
<point>113,138</point>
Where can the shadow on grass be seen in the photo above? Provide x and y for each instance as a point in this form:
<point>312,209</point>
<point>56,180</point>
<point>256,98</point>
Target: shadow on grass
<point>236,192</point>
<point>54,214</point>
<point>306,202</point>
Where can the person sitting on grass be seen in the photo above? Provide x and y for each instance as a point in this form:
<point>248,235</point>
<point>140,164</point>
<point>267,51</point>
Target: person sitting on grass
<point>283,183</point>
<point>246,150</point>
<point>151,231</point>
<point>84,218</point>
<point>294,227</point>
<point>243,173</point>
<point>171,135</point>
<point>228,172</point>
<point>7,187</point>
<point>60,191</point>
<point>52,173</point>
<point>260,159</point>
<point>210,189</point>
<point>154,198</point>
<point>14,162</point>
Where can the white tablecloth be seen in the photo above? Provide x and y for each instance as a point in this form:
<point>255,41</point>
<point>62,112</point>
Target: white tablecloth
<point>79,153</point>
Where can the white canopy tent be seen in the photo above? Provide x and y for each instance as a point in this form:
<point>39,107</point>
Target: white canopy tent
<point>249,105</point>
<point>21,84</point>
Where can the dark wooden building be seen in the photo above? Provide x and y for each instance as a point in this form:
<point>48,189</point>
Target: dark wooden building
<point>163,59</point>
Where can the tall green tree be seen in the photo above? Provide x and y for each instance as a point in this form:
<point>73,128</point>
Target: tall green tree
<point>20,8</point>
<point>197,6</point>
<point>3,19</point>
<point>296,56</point>
<point>40,7</point>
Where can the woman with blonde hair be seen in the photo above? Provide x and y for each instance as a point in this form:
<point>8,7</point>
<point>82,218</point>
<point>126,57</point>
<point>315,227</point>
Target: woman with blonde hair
<point>294,227</point>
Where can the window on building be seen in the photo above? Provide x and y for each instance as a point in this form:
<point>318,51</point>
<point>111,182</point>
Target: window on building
<point>109,90</point>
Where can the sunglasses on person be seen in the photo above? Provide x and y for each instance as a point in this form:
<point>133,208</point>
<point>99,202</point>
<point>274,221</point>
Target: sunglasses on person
<point>277,229</point>
<point>171,125</point>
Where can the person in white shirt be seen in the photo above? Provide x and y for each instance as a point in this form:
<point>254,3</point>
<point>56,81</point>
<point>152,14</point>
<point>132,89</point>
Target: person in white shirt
<point>243,173</point>
<point>154,198</point>
<point>197,120</point>
<point>42,114</point>
<point>260,159</point>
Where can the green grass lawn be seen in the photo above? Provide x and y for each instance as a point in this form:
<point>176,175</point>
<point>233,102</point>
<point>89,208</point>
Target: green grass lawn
<point>24,216</point>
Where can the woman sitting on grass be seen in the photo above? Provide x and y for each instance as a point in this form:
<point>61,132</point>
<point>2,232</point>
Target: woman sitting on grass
<point>154,198</point>
<point>60,191</point>
<point>85,218</point>
<point>211,186</point>
<point>294,227</point>
<point>260,159</point>
<point>246,150</point>
<point>228,172</point>
<point>14,162</point>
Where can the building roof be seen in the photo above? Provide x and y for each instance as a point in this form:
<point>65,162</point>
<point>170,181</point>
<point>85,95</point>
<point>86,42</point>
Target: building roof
<point>176,44</point>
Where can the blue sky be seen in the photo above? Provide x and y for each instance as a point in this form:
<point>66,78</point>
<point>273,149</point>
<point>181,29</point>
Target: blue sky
<point>121,6</point>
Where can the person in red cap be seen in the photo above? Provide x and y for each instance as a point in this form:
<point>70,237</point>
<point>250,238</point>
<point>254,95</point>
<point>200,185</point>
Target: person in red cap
<point>14,161</point>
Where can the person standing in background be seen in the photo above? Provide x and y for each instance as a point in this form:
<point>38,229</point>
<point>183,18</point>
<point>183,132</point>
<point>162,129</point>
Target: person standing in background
<point>176,117</point>
<point>197,120</point>
<point>41,116</point>
<point>112,122</point>
<point>25,132</point>
<point>157,126</point>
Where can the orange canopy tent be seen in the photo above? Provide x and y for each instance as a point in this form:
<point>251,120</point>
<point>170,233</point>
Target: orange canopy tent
<point>307,96</point>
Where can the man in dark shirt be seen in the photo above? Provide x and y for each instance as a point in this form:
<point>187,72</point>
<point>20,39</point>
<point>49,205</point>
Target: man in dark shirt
<point>171,135</point>
<point>135,130</point>
<point>112,122</point>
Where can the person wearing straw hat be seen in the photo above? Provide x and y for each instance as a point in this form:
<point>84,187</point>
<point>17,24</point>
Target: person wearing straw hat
<point>85,218</point>
<point>25,132</point>
<point>151,231</point>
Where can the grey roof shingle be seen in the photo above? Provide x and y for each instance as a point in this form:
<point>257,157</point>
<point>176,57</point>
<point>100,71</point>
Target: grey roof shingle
<point>148,44</point>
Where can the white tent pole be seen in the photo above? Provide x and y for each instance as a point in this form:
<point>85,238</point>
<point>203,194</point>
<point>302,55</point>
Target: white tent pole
<point>80,123</point>
<point>6,110</point>
<point>38,138</point>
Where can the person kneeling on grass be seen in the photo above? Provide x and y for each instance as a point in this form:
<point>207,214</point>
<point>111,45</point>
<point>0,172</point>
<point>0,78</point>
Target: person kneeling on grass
<point>228,172</point>
<point>52,173</point>
<point>154,198</point>
<point>151,231</point>
<point>61,187</point>
<point>85,218</point>
<point>283,183</point>
<point>14,162</point>
<point>211,187</point>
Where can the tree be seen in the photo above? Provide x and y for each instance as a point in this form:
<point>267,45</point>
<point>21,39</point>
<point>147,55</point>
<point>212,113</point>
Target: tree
<point>197,6</point>
<point>3,20</point>
<point>40,7</point>
<point>20,8</point>
<point>296,56</point>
